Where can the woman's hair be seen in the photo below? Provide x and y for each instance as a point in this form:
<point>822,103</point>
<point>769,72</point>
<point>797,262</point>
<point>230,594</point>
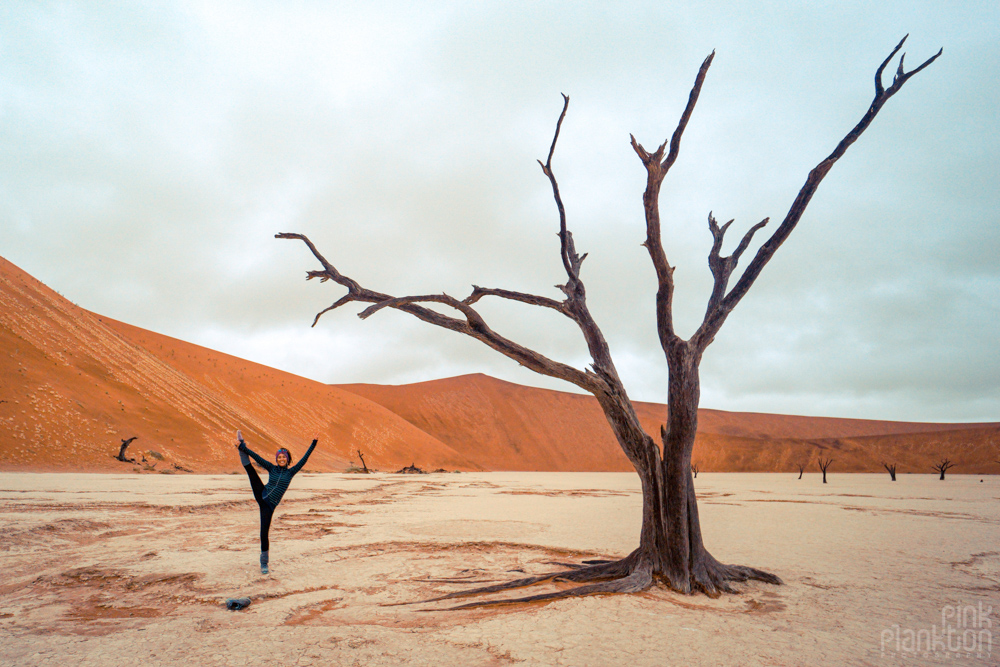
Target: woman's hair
<point>285,452</point>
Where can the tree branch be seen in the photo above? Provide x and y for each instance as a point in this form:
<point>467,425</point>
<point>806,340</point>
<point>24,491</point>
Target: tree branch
<point>575,305</point>
<point>722,268</point>
<point>471,316</point>
<point>817,175</point>
<point>473,325</point>
<point>747,238</point>
<point>530,299</point>
<point>715,319</point>
<point>944,466</point>
<point>656,169</point>
<point>571,261</point>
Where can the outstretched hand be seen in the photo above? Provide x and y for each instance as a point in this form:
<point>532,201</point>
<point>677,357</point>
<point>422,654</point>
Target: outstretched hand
<point>239,438</point>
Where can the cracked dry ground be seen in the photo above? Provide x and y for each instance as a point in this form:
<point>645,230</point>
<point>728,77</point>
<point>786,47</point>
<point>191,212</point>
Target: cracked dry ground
<point>133,569</point>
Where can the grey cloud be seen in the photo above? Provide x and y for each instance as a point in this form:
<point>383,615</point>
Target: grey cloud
<point>150,155</point>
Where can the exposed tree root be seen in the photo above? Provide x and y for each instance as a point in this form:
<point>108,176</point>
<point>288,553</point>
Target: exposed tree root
<point>620,570</point>
<point>636,582</point>
<point>577,566</point>
<point>712,577</point>
<point>632,574</point>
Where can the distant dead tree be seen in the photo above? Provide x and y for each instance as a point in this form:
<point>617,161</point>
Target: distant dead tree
<point>802,468</point>
<point>823,465</point>
<point>944,466</point>
<point>891,469</point>
<point>671,549</point>
<point>121,451</point>
<point>361,456</point>
<point>694,470</point>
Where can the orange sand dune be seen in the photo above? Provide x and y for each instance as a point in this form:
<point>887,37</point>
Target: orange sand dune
<point>505,426</point>
<point>73,384</point>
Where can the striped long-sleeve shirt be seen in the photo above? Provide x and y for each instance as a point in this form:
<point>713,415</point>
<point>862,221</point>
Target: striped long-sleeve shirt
<point>278,478</point>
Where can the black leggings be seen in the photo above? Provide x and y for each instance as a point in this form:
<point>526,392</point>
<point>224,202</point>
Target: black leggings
<point>266,511</point>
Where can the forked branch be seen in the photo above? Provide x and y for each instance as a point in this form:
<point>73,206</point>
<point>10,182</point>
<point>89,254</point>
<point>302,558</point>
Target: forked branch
<point>722,267</point>
<point>882,94</point>
<point>720,302</point>
<point>472,324</point>
<point>657,167</point>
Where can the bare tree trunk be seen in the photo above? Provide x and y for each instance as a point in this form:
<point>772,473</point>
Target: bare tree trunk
<point>892,470</point>
<point>361,456</point>
<point>823,465</point>
<point>943,467</point>
<point>684,548</point>
<point>802,469</point>
<point>125,444</point>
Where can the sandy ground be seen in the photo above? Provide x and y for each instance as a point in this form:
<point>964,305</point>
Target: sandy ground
<point>126,570</point>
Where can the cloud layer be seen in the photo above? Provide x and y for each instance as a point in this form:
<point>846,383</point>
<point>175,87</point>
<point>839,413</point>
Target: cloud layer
<point>151,154</point>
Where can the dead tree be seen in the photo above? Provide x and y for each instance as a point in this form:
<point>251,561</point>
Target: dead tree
<point>802,468</point>
<point>823,465</point>
<point>891,469</point>
<point>944,466</point>
<point>671,549</point>
<point>694,470</point>
<point>361,456</point>
<point>121,452</point>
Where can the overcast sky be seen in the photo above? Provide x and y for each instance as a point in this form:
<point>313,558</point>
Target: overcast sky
<point>150,151</point>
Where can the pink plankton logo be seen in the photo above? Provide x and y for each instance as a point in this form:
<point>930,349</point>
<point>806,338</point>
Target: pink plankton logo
<point>966,631</point>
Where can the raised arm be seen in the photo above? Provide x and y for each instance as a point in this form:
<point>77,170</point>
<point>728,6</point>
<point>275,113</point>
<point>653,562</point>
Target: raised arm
<point>264,463</point>
<point>298,466</point>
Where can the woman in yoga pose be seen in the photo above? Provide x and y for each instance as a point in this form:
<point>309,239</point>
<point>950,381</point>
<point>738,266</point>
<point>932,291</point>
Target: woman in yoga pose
<point>268,496</point>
